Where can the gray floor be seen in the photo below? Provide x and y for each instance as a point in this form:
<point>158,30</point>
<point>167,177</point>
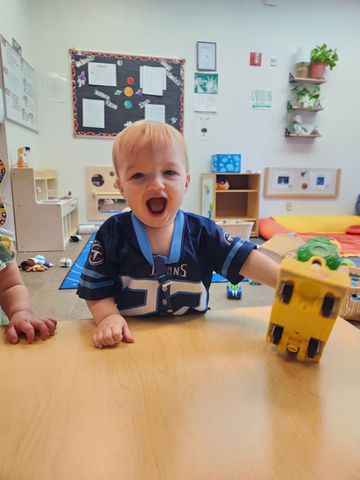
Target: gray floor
<point>49,301</point>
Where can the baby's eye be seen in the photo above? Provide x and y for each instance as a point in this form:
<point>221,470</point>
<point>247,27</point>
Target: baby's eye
<point>137,175</point>
<point>169,172</point>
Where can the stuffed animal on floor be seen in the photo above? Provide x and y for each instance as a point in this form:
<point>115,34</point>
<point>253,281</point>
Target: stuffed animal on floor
<point>35,264</point>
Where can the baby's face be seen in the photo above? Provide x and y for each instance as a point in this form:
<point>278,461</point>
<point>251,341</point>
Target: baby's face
<point>154,185</point>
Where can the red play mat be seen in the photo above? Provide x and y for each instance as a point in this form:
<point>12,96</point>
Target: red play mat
<point>350,244</point>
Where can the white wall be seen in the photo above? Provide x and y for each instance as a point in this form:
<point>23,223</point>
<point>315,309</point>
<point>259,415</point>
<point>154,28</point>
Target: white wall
<point>171,28</point>
<point>14,23</point>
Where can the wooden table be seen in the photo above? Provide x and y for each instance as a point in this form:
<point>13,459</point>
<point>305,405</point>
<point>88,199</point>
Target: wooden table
<point>200,398</point>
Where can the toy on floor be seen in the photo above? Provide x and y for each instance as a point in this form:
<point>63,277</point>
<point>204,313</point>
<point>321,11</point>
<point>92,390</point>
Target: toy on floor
<point>307,302</point>
<point>65,262</point>
<point>76,238</point>
<point>234,291</point>
<point>35,264</point>
<point>252,282</point>
<point>32,268</point>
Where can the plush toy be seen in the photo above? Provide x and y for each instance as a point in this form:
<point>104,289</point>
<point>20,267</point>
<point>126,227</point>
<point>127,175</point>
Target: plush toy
<point>35,264</point>
<point>222,184</point>
<point>65,262</point>
<point>296,126</point>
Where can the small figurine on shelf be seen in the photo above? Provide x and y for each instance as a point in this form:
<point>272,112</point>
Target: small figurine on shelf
<point>296,127</point>
<point>222,184</point>
<point>315,131</point>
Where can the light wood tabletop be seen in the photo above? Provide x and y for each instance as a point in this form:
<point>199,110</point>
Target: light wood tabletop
<point>201,397</point>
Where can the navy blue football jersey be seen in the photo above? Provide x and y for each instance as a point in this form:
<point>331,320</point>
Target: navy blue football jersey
<point>121,265</point>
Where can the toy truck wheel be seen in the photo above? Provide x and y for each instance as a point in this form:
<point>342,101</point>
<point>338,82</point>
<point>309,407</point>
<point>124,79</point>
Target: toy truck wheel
<point>287,292</point>
<point>277,334</point>
<point>327,306</point>
<point>312,347</point>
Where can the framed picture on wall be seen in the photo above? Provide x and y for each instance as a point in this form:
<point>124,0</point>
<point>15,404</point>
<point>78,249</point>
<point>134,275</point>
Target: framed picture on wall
<point>302,182</point>
<point>206,56</point>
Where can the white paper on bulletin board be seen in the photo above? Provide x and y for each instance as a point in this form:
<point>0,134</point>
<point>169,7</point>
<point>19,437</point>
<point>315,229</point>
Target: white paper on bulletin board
<point>302,182</point>
<point>19,87</point>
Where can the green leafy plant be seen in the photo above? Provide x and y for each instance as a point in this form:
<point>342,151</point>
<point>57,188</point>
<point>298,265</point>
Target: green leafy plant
<point>301,93</point>
<point>325,55</point>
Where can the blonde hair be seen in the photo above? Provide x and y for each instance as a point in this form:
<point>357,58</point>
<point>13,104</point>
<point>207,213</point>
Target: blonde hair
<point>143,134</point>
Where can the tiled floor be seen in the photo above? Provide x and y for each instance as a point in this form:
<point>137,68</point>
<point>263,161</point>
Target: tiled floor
<point>49,301</point>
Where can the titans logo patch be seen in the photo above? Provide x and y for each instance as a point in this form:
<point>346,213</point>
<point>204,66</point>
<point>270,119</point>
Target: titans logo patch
<point>228,239</point>
<point>96,256</point>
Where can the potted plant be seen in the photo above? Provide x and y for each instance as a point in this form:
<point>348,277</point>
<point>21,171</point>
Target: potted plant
<point>304,98</point>
<point>320,58</point>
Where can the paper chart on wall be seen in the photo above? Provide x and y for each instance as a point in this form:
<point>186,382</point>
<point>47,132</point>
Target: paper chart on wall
<point>153,80</point>
<point>93,113</point>
<point>19,88</point>
<point>102,74</point>
<point>55,87</point>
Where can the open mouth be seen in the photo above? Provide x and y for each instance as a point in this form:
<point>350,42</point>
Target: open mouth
<point>156,205</point>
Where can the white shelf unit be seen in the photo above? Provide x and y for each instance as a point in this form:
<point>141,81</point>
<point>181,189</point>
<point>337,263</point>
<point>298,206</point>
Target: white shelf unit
<point>42,224</point>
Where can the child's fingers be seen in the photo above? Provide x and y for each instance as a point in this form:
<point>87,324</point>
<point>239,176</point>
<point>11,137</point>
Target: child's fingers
<point>12,335</point>
<point>51,324</point>
<point>111,337</point>
<point>127,334</point>
<point>42,327</point>
<point>96,342</point>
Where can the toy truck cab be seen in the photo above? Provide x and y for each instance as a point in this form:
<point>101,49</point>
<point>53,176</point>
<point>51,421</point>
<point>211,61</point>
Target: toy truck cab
<point>307,301</point>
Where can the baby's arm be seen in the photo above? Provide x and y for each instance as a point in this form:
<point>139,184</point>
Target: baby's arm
<point>15,301</point>
<point>260,268</point>
<point>111,326</point>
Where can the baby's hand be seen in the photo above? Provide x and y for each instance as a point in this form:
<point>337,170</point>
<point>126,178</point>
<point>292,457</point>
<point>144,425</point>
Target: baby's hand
<point>112,329</point>
<point>27,323</point>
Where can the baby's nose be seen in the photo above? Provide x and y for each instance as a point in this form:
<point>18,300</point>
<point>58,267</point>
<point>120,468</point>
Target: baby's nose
<point>156,183</point>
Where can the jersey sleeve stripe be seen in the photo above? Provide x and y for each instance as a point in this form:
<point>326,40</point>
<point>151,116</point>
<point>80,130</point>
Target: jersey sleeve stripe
<point>231,255</point>
<point>95,285</point>
<point>93,273</point>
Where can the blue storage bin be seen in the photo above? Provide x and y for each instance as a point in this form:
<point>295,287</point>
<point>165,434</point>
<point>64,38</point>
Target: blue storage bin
<point>222,163</point>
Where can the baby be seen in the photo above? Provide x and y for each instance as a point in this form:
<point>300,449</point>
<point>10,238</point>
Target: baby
<point>157,259</point>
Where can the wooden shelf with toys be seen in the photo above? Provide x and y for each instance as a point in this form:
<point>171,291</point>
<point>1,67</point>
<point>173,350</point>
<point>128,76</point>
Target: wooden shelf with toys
<point>303,135</point>
<point>239,202</point>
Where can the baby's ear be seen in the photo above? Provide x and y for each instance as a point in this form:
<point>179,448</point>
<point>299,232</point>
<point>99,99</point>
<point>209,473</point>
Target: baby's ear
<point>118,184</point>
<point>187,182</point>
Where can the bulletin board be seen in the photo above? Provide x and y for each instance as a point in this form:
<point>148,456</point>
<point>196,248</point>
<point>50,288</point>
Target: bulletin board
<point>111,91</point>
<point>19,87</point>
<point>302,182</point>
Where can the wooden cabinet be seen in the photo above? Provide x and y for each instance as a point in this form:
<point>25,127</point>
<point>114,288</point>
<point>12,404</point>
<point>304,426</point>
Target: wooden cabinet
<point>42,224</point>
<point>239,202</point>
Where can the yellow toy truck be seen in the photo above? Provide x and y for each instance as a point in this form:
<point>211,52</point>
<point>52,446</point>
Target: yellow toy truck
<point>307,302</point>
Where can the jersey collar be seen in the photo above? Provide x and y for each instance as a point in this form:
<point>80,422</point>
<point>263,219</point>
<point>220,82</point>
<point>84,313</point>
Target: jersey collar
<point>176,241</point>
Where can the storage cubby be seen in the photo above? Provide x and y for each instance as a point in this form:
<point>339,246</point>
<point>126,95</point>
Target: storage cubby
<point>240,202</point>
<point>42,224</point>
<point>45,180</point>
